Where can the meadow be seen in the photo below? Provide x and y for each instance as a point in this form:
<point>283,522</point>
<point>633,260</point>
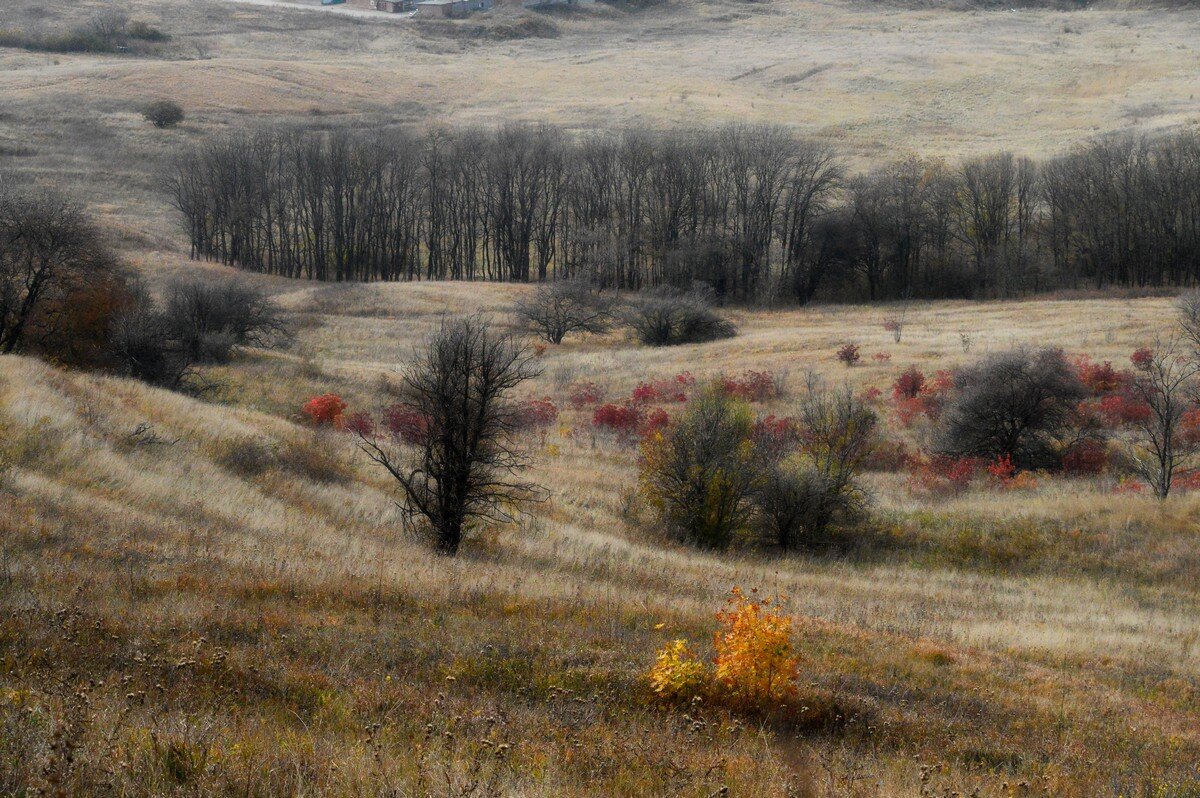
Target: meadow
<point>209,595</point>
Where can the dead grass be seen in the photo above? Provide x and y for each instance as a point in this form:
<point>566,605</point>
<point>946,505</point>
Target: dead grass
<point>195,607</point>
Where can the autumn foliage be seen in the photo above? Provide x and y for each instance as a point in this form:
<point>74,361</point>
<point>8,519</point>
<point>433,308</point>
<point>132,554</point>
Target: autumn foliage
<point>755,668</point>
<point>325,410</point>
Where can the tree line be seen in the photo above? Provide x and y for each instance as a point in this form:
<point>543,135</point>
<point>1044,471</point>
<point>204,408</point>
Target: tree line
<point>753,211</point>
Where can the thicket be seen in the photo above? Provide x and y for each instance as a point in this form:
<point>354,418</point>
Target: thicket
<point>752,211</point>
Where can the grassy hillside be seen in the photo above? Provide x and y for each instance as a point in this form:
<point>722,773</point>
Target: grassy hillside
<point>207,596</point>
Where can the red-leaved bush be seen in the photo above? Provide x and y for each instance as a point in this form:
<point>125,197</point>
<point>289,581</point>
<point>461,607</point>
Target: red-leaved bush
<point>674,389</point>
<point>405,423</point>
<point>536,414</point>
<point>887,456</point>
<point>1085,458</point>
<point>848,354</point>
<point>360,424</point>
<point>941,475</point>
<point>583,394</point>
<point>624,420</point>
<point>324,410</point>
<point>1141,358</point>
<point>775,436</point>
<point>1002,469</point>
<point>870,395</point>
<point>751,386</point>
<point>882,358</point>
<point>657,419</point>
<point>1099,378</point>
<point>909,384</point>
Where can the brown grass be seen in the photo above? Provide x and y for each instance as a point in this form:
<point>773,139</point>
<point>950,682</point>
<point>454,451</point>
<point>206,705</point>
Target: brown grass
<point>185,610</point>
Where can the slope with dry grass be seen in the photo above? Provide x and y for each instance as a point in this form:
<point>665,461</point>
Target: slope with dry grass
<point>209,596</point>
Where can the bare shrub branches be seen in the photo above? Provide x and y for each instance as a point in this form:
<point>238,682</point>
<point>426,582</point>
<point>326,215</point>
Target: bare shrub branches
<point>464,464</point>
<point>555,310</point>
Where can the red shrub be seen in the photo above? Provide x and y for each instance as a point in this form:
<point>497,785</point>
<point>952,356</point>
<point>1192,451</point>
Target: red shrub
<point>623,419</point>
<point>1141,358</point>
<point>1116,410</point>
<point>848,354</point>
<point>405,423</point>
<point>752,386</point>
<point>882,358</point>
<point>1099,378</point>
<point>585,393</point>
<point>655,421</point>
<point>1086,458</point>
<point>674,389</point>
<point>324,410</point>
<point>361,424</point>
<point>941,475</point>
<point>1002,469</point>
<point>1187,481</point>
<point>536,413</point>
<point>870,395</point>
<point>1189,426</point>
<point>775,436</point>
<point>908,410</point>
<point>909,384</point>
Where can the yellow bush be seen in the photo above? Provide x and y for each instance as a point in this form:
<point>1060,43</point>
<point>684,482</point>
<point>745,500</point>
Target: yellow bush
<point>755,665</point>
<point>677,676</point>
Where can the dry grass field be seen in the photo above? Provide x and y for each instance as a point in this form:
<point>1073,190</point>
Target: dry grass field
<point>206,596</point>
<point>184,618</point>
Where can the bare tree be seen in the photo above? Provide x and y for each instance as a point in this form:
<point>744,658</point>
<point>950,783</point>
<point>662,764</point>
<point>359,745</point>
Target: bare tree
<point>462,464</point>
<point>1019,403</point>
<point>210,318</point>
<point>48,248</point>
<point>558,309</point>
<point>1166,385</point>
<point>1188,308</point>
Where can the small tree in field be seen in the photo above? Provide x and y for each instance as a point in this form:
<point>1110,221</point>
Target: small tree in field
<point>699,473</point>
<point>1166,384</point>
<point>1020,404</point>
<point>163,113</point>
<point>464,465</point>
<point>555,310</point>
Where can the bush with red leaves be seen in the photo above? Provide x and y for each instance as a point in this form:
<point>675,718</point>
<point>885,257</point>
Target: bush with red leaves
<point>360,424</point>
<point>882,358</point>
<point>1187,481</point>
<point>583,394</point>
<point>775,436</point>
<point>1100,378</point>
<point>848,354</point>
<point>405,423</point>
<point>1085,458</point>
<point>909,384</point>
<point>942,475</point>
<point>655,420</point>
<point>1142,358</point>
<point>674,389</point>
<point>751,386</point>
<point>1002,469</point>
<point>625,420</point>
<point>536,414</point>
<point>325,410</point>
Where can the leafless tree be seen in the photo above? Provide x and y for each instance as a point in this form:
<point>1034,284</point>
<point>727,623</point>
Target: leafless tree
<point>1166,385</point>
<point>555,310</point>
<point>1019,403</point>
<point>464,464</point>
<point>48,249</point>
<point>211,317</point>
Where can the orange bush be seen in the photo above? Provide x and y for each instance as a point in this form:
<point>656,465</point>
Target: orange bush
<point>325,410</point>
<point>755,664</point>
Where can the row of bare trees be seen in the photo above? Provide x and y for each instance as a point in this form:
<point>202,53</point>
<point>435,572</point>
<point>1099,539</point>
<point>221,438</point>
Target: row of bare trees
<point>753,211</point>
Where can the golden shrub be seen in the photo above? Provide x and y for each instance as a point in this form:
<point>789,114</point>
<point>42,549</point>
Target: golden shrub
<point>677,676</point>
<point>755,664</point>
